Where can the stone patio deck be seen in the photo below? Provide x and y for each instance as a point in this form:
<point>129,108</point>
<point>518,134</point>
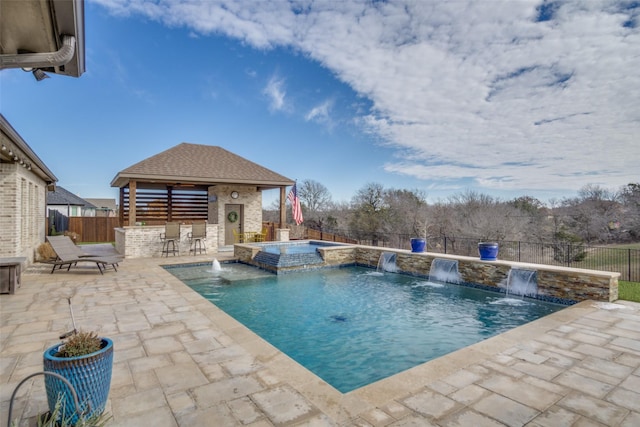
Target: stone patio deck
<point>180,361</point>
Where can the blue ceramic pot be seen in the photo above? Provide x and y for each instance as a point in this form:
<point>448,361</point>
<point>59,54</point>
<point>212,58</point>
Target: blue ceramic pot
<point>488,251</point>
<point>418,245</point>
<point>90,376</point>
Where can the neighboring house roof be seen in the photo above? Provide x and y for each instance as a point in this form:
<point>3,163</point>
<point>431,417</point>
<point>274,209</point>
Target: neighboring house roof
<point>20,150</point>
<point>43,34</point>
<point>109,204</point>
<point>66,198</point>
<point>200,164</point>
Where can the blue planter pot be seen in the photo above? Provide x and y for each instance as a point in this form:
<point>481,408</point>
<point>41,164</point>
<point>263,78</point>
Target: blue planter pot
<point>488,251</point>
<point>418,245</point>
<point>90,376</point>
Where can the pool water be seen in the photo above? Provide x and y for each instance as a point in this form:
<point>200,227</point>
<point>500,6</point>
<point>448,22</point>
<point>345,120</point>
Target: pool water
<point>296,248</point>
<point>352,326</point>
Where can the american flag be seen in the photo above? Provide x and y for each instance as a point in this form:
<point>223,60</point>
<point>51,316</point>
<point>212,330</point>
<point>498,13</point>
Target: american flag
<point>296,210</point>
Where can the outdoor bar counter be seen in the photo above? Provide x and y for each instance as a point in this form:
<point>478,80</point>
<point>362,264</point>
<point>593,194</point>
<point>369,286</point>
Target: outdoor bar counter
<point>144,241</point>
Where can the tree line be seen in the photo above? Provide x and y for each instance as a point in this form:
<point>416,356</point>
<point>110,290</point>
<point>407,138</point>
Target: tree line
<point>596,215</point>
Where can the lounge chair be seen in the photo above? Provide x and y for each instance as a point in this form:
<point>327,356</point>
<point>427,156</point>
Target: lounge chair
<point>69,255</point>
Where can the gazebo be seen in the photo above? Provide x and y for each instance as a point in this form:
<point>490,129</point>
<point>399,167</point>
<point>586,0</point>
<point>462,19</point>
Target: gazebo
<point>191,183</point>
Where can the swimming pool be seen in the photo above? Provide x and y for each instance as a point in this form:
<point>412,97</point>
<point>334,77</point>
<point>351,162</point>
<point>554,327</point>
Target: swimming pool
<point>352,326</point>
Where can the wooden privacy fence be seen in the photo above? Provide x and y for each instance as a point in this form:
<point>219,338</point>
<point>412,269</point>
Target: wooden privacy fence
<point>93,228</point>
<point>323,235</point>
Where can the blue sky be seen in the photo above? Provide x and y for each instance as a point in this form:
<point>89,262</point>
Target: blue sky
<point>504,98</point>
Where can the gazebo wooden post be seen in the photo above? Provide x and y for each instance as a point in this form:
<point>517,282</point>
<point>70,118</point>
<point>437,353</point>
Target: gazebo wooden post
<point>121,210</point>
<point>283,210</point>
<point>169,203</point>
<point>132,202</point>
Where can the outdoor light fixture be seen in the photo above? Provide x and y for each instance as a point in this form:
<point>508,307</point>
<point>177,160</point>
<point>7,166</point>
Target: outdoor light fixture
<point>10,153</point>
<point>37,73</point>
<point>15,158</point>
<point>4,147</point>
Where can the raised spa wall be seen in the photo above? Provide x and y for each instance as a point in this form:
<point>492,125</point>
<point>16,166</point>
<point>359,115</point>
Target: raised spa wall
<point>561,284</point>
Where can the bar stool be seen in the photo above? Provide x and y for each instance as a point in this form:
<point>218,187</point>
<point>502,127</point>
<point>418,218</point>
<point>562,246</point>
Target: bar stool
<point>170,239</point>
<point>197,235</point>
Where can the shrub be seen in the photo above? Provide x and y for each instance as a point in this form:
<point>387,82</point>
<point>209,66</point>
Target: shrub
<point>80,344</point>
<point>45,251</point>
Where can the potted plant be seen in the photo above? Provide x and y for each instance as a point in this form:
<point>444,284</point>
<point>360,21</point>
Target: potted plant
<point>59,417</point>
<point>86,361</point>
<point>488,251</point>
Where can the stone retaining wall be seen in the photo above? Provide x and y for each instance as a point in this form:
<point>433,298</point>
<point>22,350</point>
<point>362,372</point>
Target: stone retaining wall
<point>562,284</point>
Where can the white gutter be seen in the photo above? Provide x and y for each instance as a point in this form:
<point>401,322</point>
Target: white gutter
<point>41,60</point>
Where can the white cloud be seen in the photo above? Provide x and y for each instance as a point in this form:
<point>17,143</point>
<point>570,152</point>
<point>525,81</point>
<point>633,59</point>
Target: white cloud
<point>463,89</point>
<point>274,90</point>
<point>321,113</point>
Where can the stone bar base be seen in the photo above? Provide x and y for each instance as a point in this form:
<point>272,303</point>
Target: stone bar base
<point>145,242</point>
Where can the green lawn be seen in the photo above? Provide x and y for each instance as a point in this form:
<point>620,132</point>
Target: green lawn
<point>625,246</point>
<point>629,291</point>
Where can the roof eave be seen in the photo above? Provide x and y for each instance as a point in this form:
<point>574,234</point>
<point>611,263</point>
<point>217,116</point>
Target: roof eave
<point>46,34</point>
<point>123,180</point>
<point>37,165</point>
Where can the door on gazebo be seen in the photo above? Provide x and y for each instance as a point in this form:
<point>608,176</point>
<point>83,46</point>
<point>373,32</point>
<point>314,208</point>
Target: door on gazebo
<point>233,219</point>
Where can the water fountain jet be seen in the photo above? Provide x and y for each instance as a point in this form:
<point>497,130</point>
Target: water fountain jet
<point>444,270</point>
<point>387,262</point>
<point>522,282</point>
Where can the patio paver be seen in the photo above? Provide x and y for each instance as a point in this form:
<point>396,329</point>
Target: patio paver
<point>180,361</point>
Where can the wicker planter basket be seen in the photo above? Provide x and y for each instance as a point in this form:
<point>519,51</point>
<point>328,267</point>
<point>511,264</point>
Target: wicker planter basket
<point>90,375</point>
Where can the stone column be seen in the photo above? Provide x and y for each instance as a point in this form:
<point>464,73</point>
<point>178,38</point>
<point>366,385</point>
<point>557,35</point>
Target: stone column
<point>282,235</point>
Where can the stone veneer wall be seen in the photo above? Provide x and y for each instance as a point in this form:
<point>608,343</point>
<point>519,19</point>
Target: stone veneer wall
<point>554,283</point>
<point>144,241</point>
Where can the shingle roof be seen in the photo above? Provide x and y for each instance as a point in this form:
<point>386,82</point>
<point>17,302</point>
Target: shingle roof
<point>195,163</point>
<point>103,203</point>
<point>64,197</point>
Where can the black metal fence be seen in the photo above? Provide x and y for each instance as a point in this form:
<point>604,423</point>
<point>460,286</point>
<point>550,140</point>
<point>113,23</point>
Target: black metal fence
<point>57,221</point>
<point>624,261</point>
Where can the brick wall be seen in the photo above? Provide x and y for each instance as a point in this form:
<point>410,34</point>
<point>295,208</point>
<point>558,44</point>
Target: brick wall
<point>22,211</point>
<point>145,242</point>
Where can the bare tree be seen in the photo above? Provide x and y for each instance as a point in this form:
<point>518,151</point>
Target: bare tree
<point>407,213</point>
<point>534,218</point>
<point>369,213</point>
<point>317,202</point>
<point>485,217</point>
<point>629,223</point>
<point>591,214</point>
